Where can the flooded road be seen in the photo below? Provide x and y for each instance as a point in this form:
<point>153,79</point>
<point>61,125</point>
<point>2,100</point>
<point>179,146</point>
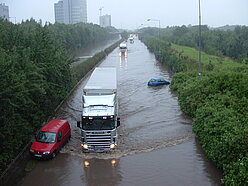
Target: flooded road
<point>156,143</point>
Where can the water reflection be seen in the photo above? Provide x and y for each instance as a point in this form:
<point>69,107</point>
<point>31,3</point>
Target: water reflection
<point>63,170</point>
<point>123,54</point>
<point>211,171</point>
<point>102,171</point>
<point>123,62</point>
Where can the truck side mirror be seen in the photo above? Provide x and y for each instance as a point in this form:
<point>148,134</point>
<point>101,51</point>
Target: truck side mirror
<point>118,122</point>
<point>78,124</point>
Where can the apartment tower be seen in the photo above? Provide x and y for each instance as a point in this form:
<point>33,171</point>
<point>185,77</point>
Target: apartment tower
<point>71,11</point>
<point>105,20</point>
<point>4,11</point>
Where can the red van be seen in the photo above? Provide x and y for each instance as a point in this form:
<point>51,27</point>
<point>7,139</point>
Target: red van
<point>51,139</point>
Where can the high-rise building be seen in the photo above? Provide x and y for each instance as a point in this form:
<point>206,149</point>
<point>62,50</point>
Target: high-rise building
<point>105,20</point>
<point>59,12</point>
<point>70,11</point>
<point>4,11</point>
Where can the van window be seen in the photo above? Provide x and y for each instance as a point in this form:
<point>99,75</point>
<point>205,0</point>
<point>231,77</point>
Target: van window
<point>46,137</point>
<point>59,135</point>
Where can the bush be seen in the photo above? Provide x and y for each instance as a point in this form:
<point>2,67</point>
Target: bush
<point>218,103</point>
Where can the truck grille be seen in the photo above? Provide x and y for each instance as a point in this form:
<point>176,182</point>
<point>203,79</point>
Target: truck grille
<point>97,140</point>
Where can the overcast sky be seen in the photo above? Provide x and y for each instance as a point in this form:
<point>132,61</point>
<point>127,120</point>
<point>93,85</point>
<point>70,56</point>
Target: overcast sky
<point>131,14</point>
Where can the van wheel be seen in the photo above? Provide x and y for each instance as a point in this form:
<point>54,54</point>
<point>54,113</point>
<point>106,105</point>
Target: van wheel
<point>53,154</point>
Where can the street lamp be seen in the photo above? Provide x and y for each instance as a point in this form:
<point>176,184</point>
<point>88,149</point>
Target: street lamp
<point>199,56</point>
<point>141,26</point>
<point>158,25</point>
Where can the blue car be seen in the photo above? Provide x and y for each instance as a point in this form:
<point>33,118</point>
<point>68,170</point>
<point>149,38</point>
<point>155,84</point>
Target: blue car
<point>157,82</point>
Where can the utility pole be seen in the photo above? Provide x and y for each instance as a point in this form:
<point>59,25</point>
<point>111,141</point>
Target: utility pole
<point>199,62</point>
<point>158,25</point>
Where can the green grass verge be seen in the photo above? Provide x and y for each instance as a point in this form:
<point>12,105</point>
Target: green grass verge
<point>218,63</point>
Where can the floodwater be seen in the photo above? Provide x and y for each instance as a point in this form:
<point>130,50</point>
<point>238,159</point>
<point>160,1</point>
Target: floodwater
<point>156,142</point>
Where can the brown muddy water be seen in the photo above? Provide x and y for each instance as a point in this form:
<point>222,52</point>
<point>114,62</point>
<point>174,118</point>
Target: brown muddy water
<point>156,142</point>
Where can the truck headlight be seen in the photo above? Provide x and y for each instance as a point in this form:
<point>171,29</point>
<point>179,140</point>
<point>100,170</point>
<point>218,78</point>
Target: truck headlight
<point>31,150</point>
<point>85,146</point>
<point>112,146</point>
<point>47,152</point>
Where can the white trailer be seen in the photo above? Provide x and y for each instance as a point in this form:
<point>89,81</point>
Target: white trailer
<point>100,119</point>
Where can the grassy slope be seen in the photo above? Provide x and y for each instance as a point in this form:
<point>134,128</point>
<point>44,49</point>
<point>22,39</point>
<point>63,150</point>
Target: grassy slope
<point>219,63</point>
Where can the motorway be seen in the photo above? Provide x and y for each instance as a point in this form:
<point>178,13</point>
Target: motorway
<point>156,142</point>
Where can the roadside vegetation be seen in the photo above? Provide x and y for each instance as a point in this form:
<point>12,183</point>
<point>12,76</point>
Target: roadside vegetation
<point>217,101</point>
<point>35,76</point>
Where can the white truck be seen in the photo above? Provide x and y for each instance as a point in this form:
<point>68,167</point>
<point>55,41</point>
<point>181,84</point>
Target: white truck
<point>99,120</point>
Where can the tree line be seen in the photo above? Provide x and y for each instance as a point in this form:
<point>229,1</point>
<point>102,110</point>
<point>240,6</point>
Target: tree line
<point>78,36</point>
<point>231,43</point>
<point>35,76</point>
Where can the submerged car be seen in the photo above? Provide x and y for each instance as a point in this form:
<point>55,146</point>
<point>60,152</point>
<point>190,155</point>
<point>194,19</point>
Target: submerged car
<point>157,82</point>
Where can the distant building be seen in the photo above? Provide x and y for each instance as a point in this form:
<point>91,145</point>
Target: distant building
<point>105,20</point>
<point>4,11</point>
<point>59,12</point>
<point>70,11</point>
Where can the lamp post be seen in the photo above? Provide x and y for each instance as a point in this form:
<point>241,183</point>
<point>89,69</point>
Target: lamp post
<point>141,26</point>
<point>158,25</point>
<point>199,56</point>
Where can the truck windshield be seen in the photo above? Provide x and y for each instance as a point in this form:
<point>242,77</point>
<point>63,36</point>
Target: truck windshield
<point>46,137</point>
<point>98,124</point>
<point>123,47</point>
